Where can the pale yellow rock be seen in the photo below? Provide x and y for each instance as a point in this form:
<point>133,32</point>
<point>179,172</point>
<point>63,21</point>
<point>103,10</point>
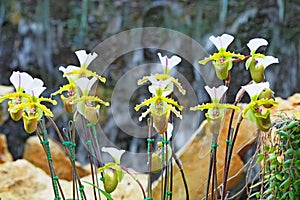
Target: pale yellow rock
<point>5,155</point>
<point>34,153</point>
<point>22,180</point>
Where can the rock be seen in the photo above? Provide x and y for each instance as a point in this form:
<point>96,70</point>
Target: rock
<point>288,107</point>
<point>34,183</point>
<point>34,153</point>
<point>5,155</point>
<point>22,180</point>
<point>195,159</point>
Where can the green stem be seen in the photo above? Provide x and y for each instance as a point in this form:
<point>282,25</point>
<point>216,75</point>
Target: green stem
<point>150,148</point>
<point>229,157</point>
<point>179,164</point>
<point>70,135</point>
<point>43,136</point>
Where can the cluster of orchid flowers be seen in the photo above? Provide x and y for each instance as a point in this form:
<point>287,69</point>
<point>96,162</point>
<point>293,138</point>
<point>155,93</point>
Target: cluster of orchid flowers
<point>78,90</point>
<point>260,93</point>
<point>25,102</point>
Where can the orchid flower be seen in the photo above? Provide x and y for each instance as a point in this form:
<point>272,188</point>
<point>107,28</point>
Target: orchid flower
<point>222,60</point>
<point>85,60</point>
<point>85,102</point>
<point>167,65</point>
<point>260,97</point>
<point>111,181</point>
<point>73,73</point>
<point>159,105</point>
<point>258,62</point>
<point>215,109</point>
<point>25,102</point>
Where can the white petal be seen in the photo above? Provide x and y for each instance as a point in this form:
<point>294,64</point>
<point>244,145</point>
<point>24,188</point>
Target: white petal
<point>169,130</point>
<point>169,63</point>
<point>268,60</point>
<point>90,58</point>
<point>255,89</point>
<point>216,93</point>
<point>84,58</point>
<point>159,84</point>
<point>68,69</point>
<point>85,84</point>
<point>81,55</point>
<point>222,41</point>
<point>36,91</point>
<point>20,79</point>
<point>173,61</point>
<point>255,43</point>
<point>115,153</point>
<point>162,59</point>
<point>37,83</point>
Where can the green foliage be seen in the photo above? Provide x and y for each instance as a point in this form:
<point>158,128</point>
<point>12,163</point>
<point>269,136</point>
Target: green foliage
<point>281,161</point>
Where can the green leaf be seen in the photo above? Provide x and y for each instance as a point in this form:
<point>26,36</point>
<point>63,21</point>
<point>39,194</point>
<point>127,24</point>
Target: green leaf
<point>292,124</point>
<point>260,157</point>
<point>271,196</point>
<point>283,133</point>
<point>287,163</point>
<point>279,177</point>
<point>284,196</point>
<point>297,164</point>
<point>285,184</point>
<point>107,195</point>
<point>289,152</point>
<point>268,191</point>
<point>291,195</point>
<point>272,157</point>
<point>256,194</point>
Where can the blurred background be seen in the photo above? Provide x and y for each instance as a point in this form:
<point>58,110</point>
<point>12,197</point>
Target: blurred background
<point>39,36</point>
